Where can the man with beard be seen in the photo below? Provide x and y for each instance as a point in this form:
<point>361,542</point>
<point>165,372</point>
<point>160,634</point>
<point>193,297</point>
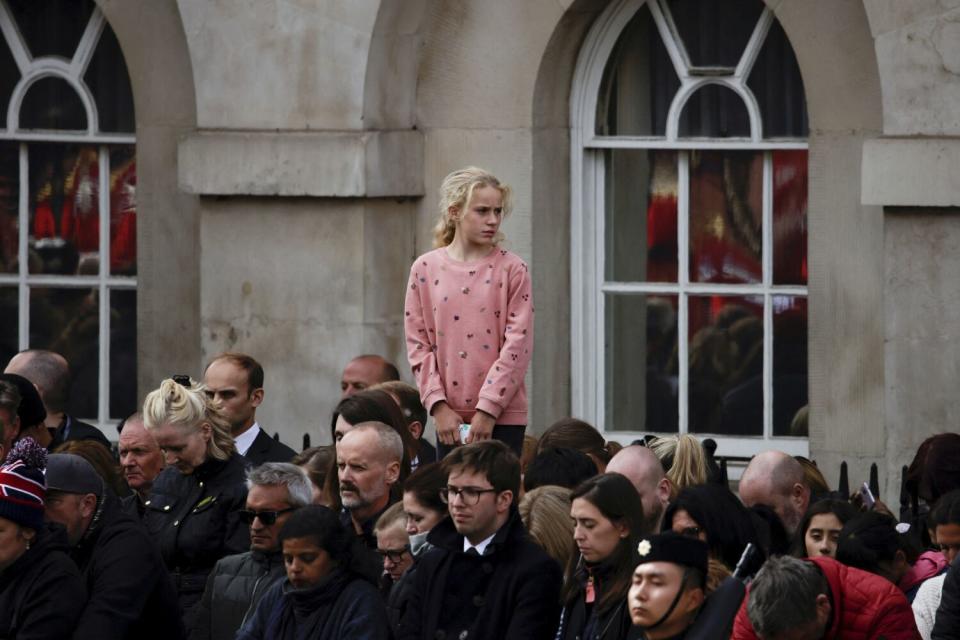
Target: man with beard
<point>368,465</point>
<point>775,479</point>
<point>642,468</point>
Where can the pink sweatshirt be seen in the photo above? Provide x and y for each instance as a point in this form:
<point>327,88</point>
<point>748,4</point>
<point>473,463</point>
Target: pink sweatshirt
<point>469,330</point>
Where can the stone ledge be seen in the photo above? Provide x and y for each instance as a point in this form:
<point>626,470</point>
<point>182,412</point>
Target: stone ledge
<point>911,172</point>
<point>333,164</point>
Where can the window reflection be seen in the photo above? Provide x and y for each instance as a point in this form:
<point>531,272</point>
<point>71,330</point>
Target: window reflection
<point>726,209</point>
<point>641,384</point>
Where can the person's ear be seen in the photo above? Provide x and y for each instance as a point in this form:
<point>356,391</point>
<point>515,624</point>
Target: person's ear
<point>206,431</point>
<point>88,503</point>
<point>622,528</point>
<point>504,500</point>
<point>392,473</point>
<point>416,429</point>
<point>453,213</point>
<point>823,608</point>
<point>256,397</point>
<point>694,598</point>
<point>664,490</point>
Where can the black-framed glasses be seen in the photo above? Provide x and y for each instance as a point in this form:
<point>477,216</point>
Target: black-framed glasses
<point>266,517</point>
<point>181,379</point>
<point>469,495</point>
<point>394,555</point>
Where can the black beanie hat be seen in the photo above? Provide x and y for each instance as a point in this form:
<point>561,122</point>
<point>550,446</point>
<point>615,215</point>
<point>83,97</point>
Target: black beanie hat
<point>674,548</point>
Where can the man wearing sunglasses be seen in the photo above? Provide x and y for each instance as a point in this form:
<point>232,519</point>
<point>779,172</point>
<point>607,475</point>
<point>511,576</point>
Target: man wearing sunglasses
<point>234,587</point>
<point>486,578</point>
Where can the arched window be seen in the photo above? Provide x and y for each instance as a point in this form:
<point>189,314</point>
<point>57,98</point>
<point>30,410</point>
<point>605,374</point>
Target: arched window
<point>68,258</point>
<point>689,239</point>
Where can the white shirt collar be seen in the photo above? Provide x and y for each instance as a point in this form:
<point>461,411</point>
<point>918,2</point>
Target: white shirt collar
<point>245,440</point>
<point>480,546</point>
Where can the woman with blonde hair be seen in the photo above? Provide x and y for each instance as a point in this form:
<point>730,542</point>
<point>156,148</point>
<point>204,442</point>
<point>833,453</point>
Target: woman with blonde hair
<point>469,318</point>
<point>683,458</point>
<point>545,512</point>
<point>194,510</point>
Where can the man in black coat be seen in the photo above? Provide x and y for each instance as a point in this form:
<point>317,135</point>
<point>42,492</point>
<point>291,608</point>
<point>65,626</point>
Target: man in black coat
<point>130,593</point>
<point>485,578</point>
<point>50,373</point>
<point>236,380</point>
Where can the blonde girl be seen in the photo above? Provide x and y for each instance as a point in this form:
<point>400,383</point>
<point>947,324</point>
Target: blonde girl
<point>468,317</point>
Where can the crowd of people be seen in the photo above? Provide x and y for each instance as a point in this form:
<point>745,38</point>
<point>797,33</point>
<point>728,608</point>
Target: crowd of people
<point>203,526</point>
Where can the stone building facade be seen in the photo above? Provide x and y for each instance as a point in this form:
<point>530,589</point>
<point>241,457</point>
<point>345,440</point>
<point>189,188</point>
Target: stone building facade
<point>289,153</point>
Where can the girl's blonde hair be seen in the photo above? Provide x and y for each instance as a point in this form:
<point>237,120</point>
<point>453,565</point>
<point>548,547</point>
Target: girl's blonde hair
<point>684,459</point>
<point>545,512</point>
<point>189,408</point>
<point>455,193</point>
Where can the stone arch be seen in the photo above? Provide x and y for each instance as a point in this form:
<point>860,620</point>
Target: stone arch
<point>168,224</point>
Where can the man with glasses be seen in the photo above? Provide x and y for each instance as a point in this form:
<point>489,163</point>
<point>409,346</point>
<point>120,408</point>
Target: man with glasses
<point>486,578</point>
<point>234,587</point>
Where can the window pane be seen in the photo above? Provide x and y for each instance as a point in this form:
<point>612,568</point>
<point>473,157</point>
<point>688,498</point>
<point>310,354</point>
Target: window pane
<point>714,112</point>
<point>9,323</point>
<point>715,33</point>
<point>64,209</point>
<point>123,211</point>
<point>68,321</point>
<point>52,27</point>
<point>110,84</point>
<point>640,352</point>
<point>725,383</point>
<point>638,83</point>
<point>726,195</point>
<point>641,216</point>
<point>790,217</point>
<point>123,353</point>
<point>776,83</point>
<point>9,206</point>
<point>51,103</point>
<point>789,365</point>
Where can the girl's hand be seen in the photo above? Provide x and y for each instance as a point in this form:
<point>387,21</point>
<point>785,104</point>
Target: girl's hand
<point>481,427</point>
<point>448,424</point>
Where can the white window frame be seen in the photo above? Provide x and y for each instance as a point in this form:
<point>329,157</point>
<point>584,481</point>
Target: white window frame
<point>589,287</point>
<point>72,72</point>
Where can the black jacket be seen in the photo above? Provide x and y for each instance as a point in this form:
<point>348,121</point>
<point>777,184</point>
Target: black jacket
<point>266,449</point>
<point>195,520</point>
<point>234,588</point>
<point>341,607</point>
<point>947,624</point>
<point>131,594</point>
<point>73,429</point>
<point>510,593</point>
<point>41,593</point>
<point>580,622</point>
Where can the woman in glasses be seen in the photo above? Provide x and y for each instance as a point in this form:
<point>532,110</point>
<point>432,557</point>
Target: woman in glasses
<point>330,590</point>
<point>711,513</point>
<point>194,507</point>
<point>607,527</point>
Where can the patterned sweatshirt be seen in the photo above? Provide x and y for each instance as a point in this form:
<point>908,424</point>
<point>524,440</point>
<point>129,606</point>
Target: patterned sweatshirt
<point>469,332</point>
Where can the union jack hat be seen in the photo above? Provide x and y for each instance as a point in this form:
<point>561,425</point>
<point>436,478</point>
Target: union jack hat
<point>22,485</point>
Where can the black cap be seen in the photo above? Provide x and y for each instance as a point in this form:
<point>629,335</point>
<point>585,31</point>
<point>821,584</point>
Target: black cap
<point>674,548</point>
<point>70,473</point>
<point>31,409</point>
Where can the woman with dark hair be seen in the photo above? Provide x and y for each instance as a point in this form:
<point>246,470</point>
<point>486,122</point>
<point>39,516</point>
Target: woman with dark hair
<point>820,528</point>
<point>370,405</point>
<point>870,542</point>
<point>424,510</point>
<point>330,590</point>
<point>607,523</point>
<point>711,513</point>
<point>932,604</point>
<point>571,433</point>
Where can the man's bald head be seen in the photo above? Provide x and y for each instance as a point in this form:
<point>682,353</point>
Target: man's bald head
<point>775,479</point>
<point>365,371</point>
<point>48,371</point>
<point>642,467</point>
